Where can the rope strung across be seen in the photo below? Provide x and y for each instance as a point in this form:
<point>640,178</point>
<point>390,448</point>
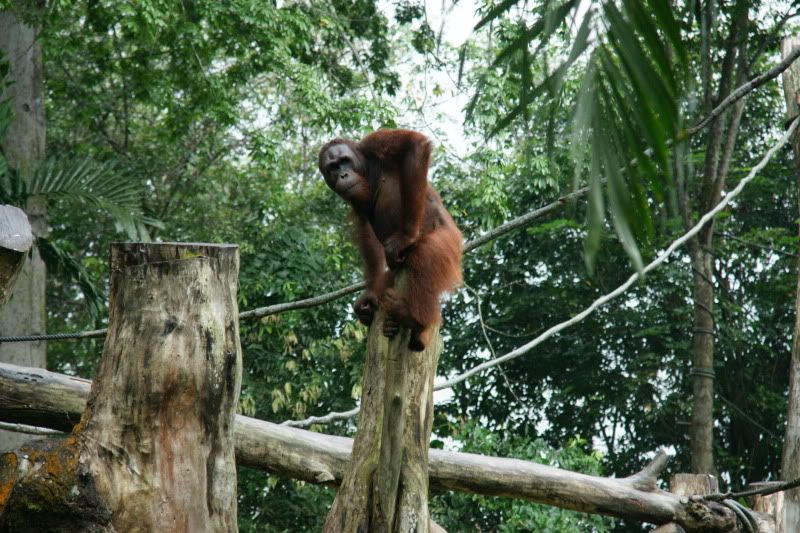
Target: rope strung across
<point>501,230</point>
<point>259,312</point>
<point>660,258</point>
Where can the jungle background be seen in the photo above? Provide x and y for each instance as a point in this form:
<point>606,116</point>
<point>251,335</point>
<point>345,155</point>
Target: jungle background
<point>200,121</point>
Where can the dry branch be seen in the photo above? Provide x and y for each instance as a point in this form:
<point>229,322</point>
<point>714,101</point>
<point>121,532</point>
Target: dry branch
<point>36,396</point>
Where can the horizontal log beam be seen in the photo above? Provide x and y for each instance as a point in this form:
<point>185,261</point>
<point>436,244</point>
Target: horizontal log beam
<point>38,397</point>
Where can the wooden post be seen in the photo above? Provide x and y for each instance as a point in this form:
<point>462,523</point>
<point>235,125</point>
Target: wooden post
<point>771,504</point>
<point>385,487</point>
<point>154,448</point>
<point>790,468</point>
<point>691,484</point>
<point>23,147</point>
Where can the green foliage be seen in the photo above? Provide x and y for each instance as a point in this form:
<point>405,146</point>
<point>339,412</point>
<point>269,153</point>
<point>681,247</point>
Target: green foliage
<point>63,264</point>
<point>85,183</point>
<point>465,512</point>
<point>216,110</point>
<point>627,108</point>
<point>271,504</point>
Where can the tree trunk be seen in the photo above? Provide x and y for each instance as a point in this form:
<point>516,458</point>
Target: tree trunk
<point>43,398</point>
<point>154,448</point>
<point>720,143</point>
<point>702,421</point>
<point>791,443</point>
<point>23,146</point>
<point>386,485</point>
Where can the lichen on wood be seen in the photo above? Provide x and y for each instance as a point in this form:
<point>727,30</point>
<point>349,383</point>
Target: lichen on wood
<point>154,448</point>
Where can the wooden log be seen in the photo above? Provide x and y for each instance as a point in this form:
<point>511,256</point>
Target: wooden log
<point>672,527</point>
<point>385,487</point>
<point>16,240</point>
<point>43,398</point>
<point>154,448</point>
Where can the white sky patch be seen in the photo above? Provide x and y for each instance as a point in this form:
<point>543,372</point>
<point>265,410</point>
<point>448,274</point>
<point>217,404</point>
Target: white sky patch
<point>459,19</point>
<point>440,113</point>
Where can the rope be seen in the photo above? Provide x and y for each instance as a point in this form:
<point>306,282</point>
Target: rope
<point>766,491</point>
<point>259,312</point>
<point>661,258</point>
<point>55,336</point>
<point>743,514</point>
<point>703,373</point>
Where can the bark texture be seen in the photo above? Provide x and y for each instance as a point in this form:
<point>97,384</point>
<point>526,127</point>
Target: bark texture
<point>771,505</point>
<point>154,448</point>
<point>36,396</point>
<point>791,444</point>
<point>23,147</point>
<point>385,487</point>
<point>702,419</point>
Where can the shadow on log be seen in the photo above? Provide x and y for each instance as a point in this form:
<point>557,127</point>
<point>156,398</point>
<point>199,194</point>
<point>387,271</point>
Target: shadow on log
<point>154,448</point>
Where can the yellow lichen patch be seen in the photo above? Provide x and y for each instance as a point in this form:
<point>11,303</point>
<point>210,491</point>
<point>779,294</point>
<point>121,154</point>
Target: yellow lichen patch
<point>51,470</point>
<point>61,462</point>
<point>8,477</point>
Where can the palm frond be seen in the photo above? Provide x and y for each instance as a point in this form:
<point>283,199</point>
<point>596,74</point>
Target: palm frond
<point>626,110</point>
<point>91,183</point>
<point>62,264</point>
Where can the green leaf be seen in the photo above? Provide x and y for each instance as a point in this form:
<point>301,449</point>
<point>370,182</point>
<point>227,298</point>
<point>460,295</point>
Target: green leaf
<point>97,184</point>
<point>553,82</point>
<point>663,13</point>
<point>63,264</point>
<point>495,12</point>
<point>544,26</point>
<point>620,205</point>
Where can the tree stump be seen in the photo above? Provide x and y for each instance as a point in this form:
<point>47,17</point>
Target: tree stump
<point>385,487</point>
<point>154,448</point>
<point>772,505</point>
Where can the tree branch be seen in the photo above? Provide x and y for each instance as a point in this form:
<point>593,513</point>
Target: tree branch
<point>512,225</point>
<point>47,399</point>
<point>743,90</point>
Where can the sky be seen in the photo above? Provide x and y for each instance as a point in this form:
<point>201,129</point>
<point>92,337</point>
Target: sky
<point>456,23</point>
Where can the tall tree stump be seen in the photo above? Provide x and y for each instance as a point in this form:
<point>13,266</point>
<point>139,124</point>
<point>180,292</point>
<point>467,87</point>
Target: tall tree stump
<point>385,487</point>
<point>154,448</point>
<point>23,147</point>
<point>790,467</point>
<point>771,504</point>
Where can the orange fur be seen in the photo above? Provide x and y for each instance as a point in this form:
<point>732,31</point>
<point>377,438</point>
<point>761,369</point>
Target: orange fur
<point>400,222</point>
